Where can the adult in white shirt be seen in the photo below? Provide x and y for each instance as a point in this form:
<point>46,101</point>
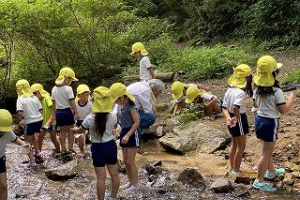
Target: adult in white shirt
<point>145,95</point>
<point>146,68</point>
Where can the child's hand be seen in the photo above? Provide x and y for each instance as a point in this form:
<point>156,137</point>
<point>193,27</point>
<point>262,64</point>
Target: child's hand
<point>77,116</point>
<point>73,130</point>
<point>231,122</point>
<point>125,139</point>
<point>289,96</point>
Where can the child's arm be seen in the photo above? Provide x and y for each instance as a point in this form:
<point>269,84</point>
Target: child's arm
<point>175,110</point>
<point>229,120</point>
<point>19,115</point>
<point>284,108</point>
<point>74,108</point>
<point>53,114</point>
<point>211,102</point>
<point>151,70</point>
<point>77,130</point>
<point>204,87</point>
<point>136,124</point>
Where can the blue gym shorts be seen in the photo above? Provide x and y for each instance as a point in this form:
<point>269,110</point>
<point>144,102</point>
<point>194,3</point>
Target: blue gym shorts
<point>241,127</point>
<point>104,153</point>
<point>133,141</point>
<point>266,128</point>
<point>64,117</point>
<point>2,165</point>
<point>32,128</point>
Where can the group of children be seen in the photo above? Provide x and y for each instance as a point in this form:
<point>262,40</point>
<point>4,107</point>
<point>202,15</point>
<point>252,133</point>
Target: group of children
<point>93,113</point>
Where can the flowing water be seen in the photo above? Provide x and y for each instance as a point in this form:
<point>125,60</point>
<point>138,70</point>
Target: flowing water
<point>34,185</point>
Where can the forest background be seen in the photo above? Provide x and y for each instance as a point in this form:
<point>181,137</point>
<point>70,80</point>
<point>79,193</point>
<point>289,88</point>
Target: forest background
<point>204,38</point>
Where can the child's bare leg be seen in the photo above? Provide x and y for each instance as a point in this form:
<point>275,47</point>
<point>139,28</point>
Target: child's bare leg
<point>71,137</point>
<point>241,145</point>
<point>3,186</point>
<point>217,108</point>
<point>101,176</point>
<point>130,162</point>
<point>35,142</point>
<point>232,151</point>
<point>28,139</point>
<point>81,142</point>
<point>63,137</point>
<point>208,110</point>
<point>115,180</point>
<point>41,137</point>
<point>54,140</point>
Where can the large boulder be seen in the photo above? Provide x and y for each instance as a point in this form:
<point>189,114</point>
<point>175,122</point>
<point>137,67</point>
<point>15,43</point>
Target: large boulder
<point>222,185</point>
<point>63,172</point>
<point>191,176</point>
<point>193,136</point>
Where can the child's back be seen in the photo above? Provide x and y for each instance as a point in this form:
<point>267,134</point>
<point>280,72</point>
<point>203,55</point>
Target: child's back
<point>62,96</point>
<point>31,107</point>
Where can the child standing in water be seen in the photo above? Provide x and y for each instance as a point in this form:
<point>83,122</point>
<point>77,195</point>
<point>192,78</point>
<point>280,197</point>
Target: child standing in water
<point>84,107</point>
<point>100,124</point>
<point>234,109</point>
<point>271,103</point>
<point>6,136</point>
<point>146,69</point>
<point>46,101</point>
<point>64,106</point>
<point>29,108</point>
<point>129,136</point>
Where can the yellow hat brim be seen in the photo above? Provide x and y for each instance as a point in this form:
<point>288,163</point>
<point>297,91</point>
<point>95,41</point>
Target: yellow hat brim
<point>189,100</point>
<point>279,65</point>
<point>130,96</point>
<point>264,80</point>
<point>74,79</point>
<point>233,81</point>
<point>144,52</point>
<point>177,96</point>
<point>5,129</point>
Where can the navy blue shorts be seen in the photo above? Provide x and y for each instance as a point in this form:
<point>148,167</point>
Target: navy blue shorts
<point>241,127</point>
<point>134,139</point>
<point>32,128</point>
<point>79,123</point>
<point>64,117</point>
<point>266,128</point>
<point>2,165</point>
<point>104,153</point>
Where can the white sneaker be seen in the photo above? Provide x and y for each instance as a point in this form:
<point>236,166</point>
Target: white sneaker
<point>125,187</point>
<point>132,189</point>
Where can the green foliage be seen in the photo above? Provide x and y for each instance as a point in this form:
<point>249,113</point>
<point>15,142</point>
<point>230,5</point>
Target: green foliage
<point>205,63</point>
<point>189,115</point>
<point>293,76</point>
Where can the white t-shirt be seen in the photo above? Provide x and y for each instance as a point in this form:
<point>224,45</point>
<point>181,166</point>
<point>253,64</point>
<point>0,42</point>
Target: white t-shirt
<point>31,108</point>
<point>62,96</point>
<point>84,110</point>
<point>235,97</point>
<point>6,138</point>
<point>268,106</point>
<point>88,123</point>
<point>145,64</point>
<point>142,95</point>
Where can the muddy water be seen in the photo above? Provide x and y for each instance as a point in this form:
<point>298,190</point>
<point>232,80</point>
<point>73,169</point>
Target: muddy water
<point>34,185</point>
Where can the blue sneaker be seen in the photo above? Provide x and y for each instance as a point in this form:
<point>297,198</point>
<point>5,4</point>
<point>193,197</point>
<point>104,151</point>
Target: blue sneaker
<point>270,175</point>
<point>263,186</point>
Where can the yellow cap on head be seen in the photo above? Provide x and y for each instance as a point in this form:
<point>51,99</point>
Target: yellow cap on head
<point>138,46</point>
<point>192,93</point>
<point>65,72</point>
<point>102,100</point>
<point>264,71</point>
<point>37,87</point>
<point>238,78</point>
<point>177,89</point>
<point>23,88</point>
<point>118,90</point>
<point>82,88</point>
<point>5,120</point>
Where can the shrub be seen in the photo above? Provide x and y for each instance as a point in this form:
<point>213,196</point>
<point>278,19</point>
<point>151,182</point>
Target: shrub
<point>293,76</point>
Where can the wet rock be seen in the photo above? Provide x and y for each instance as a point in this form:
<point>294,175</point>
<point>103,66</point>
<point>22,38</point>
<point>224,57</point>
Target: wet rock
<point>241,191</point>
<point>246,177</point>
<point>63,172</point>
<point>222,185</point>
<point>151,169</point>
<point>66,157</point>
<point>290,166</point>
<point>195,135</point>
<point>288,179</point>
<point>296,175</point>
<point>192,177</point>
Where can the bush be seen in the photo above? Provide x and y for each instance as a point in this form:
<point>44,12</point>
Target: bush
<point>293,76</point>
<point>205,63</point>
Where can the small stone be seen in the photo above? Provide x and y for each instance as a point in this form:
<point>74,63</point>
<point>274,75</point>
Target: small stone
<point>222,185</point>
<point>192,177</point>
<point>288,180</point>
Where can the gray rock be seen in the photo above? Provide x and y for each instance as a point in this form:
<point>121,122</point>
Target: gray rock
<point>191,176</point>
<point>222,185</point>
<point>63,172</point>
<point>193,136</point>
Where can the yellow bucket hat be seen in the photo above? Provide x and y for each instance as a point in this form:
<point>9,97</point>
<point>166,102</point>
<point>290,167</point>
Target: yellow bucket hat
<point>102,100</point>
<point>37,87</point>
<point>279,65</point>
<point>23,88</point>
<point>82,88</point>
<point>5,120</point>
<point>192,93</point>
<point>238,78</point>
<point>65,72</point>
<point>118,90</point>
<point>265,67</point>
<point>138,46</point>
<point>177,89</point>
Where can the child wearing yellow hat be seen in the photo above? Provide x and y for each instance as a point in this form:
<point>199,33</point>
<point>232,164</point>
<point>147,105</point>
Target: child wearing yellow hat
<point>146,70</point>
<point>100,124</point>
<point>212,105</point>
<point>29,108</point>
<point>179,94</point>
<point>64,106</point>
<point>234,109</point>
<point>7,136</point>
<point>46,101</point>
<point>129,136</point>
<point>271,103</point>
<point>84,107</point>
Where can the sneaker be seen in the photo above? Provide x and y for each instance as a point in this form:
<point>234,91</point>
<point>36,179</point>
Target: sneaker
<point>263,186</point>
<point>132,189</point>
<point>32,165</point>
<point>270,175</point>
<point>233,174</point>
<point>38,155</point>
<point>125,187</point>
<point>72,151</point>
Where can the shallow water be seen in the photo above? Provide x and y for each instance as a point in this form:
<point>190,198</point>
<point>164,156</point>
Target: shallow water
<point>34,185</point>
